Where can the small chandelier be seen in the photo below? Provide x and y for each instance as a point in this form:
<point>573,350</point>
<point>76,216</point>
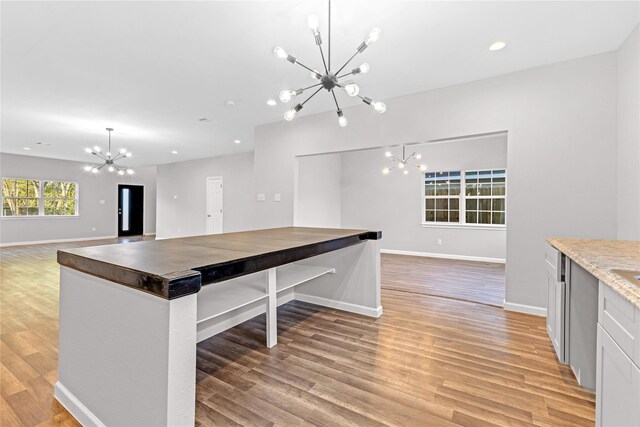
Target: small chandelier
<point>403,164</point>
<point>329,79</point>
<point>108,160</point>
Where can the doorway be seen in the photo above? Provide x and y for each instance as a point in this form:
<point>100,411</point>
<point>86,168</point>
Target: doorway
<point>130,210</point>
<point>214,205</point>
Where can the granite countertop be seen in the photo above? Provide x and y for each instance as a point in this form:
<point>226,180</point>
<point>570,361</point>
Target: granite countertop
<point>601,257</point>
<point>172,268</point>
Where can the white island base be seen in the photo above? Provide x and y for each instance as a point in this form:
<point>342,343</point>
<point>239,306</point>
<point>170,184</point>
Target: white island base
<point>128,358</point>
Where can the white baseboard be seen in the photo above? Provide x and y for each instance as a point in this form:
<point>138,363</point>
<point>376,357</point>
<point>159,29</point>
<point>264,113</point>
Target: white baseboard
<point>75,407</point>
<point>44,242</point>
<point>339,305</point>
<point>528,309</point>
<point>446,256</point>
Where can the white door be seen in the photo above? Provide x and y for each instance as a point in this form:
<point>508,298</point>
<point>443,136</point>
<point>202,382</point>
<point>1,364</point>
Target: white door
<point>214,205</point>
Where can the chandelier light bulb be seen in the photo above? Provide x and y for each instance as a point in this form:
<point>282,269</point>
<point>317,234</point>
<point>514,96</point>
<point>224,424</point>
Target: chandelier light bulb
<point>374,35</point>
<point>123,150</point>
<point>94,170</point>
<point>401,165</point>
<point>130,171</point>
<point>88,150</point>
<point>120,172</point>
<point>386,171</point>
<point>96,149</point>
<point>352,89</point>
<point>342,120</point>
<point>88,168</point>
<point>387,154</point>
<point>316,75</point>
<point>128,155</point>
<point>418,156</point>
<point>423,168</point>
<point>108,153</point>
<point>380,107</point>
<point>111,169</point>
<point>312,22</point>
<point>286,95</point>
<point>364,68</point>
<point>290,114</point>
<point>406,172</point>
<point>280,53</point>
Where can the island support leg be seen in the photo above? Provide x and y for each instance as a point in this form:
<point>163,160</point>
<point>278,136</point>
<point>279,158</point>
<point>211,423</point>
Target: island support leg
<point>126,358</point>
<point>272,309</point>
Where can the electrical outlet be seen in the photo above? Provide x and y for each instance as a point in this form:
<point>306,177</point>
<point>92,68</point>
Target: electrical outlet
<point>439,242</point>
<point>93,229</point>
<point>102,203</point>
<point>175,197</point>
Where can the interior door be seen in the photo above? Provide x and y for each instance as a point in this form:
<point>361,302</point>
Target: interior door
<point>214,205</point>
<point>130,210</point>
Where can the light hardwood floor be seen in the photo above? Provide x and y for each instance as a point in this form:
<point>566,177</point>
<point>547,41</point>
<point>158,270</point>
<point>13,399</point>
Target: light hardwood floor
<point>426,361</point>
<point>473,281</point>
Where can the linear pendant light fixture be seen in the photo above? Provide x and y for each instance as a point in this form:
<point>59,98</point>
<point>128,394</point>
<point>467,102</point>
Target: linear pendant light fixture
<point>108,160</point>
<point>403,164</point>
<point>329,80</point>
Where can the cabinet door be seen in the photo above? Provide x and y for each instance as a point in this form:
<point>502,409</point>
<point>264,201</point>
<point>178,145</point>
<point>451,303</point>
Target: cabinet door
<point>617,385</point>
<point>555,314</point>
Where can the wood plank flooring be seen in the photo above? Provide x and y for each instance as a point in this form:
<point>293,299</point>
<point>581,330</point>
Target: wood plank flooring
<point>473,281</point>
<point>426,361</point>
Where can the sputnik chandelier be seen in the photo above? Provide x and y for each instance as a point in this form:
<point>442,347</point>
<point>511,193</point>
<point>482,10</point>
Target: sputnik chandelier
<point>403,164</point>
<point>329,80</point>
<point>108,160</point>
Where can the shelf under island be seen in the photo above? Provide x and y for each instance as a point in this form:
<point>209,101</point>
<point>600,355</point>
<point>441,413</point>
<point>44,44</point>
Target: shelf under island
<point>132,314</point>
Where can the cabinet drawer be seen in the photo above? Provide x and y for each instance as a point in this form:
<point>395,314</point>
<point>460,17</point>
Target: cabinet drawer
<point>617,386</point>
<point>621,320</point>
<point>553,262</point>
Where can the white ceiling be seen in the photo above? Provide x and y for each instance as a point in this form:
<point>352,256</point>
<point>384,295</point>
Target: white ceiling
<point>152,69</point>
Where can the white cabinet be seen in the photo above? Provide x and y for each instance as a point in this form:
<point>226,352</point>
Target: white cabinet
<point>617,385</point>
<point>556,294</point>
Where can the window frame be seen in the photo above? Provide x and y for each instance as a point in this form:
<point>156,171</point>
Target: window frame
<point>462,223</point>
<point>41,200</point>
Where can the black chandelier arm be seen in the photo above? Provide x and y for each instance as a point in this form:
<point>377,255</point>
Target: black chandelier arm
<point>99,154</point>
<point>350,73</point>
<point>348,60</point>
<point>335,99</point>
<point>304,66</point>
<point>311,96</point>
<point>326,70</point>
<point>312,86</point>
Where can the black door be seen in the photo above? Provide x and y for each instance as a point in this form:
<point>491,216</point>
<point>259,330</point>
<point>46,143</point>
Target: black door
<point>130,209</point>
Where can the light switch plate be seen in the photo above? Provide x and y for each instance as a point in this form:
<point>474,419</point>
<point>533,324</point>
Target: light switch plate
<point>175,197</point>
<point>261,197</point>
<point>102,202</point>
<point>276,197</point>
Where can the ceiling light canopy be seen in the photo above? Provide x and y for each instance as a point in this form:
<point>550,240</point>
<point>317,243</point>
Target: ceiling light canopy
<point>403,163</point>
<point>497,45</point>
<point>108,160</point>
<point>329,79</point>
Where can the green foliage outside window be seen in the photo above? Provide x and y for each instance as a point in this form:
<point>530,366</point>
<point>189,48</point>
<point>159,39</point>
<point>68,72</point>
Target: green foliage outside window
<point>28,197</point>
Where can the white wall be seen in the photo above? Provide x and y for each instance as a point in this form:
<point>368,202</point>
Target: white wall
<point>181,200</point>
<point>393,203</point>
<point>92,189</point>
<point>317,191</point>
<point>561,121</point>
<point>629,138</point>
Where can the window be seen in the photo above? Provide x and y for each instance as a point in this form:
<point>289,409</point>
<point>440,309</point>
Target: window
<point>475,197</point>
<point>29,197</point>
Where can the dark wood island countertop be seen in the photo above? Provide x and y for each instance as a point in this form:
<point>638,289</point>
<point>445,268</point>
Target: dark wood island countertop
<point>171,268</point>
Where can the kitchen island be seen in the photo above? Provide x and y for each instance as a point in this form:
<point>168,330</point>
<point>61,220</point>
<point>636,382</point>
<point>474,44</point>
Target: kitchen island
<point>132,314</point>
<point>593,320</point>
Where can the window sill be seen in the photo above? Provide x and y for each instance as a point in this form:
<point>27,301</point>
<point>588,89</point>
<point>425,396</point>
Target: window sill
<point>464,226</point>
<point>39,217</point>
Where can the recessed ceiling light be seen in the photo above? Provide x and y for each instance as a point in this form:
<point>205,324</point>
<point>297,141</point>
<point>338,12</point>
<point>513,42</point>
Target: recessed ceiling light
<point>229,103</point>
<point>236,141</point>
<point>271,102</point>
<point>497,45</point>
<point>27,148</point>
<point>174,152</point>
